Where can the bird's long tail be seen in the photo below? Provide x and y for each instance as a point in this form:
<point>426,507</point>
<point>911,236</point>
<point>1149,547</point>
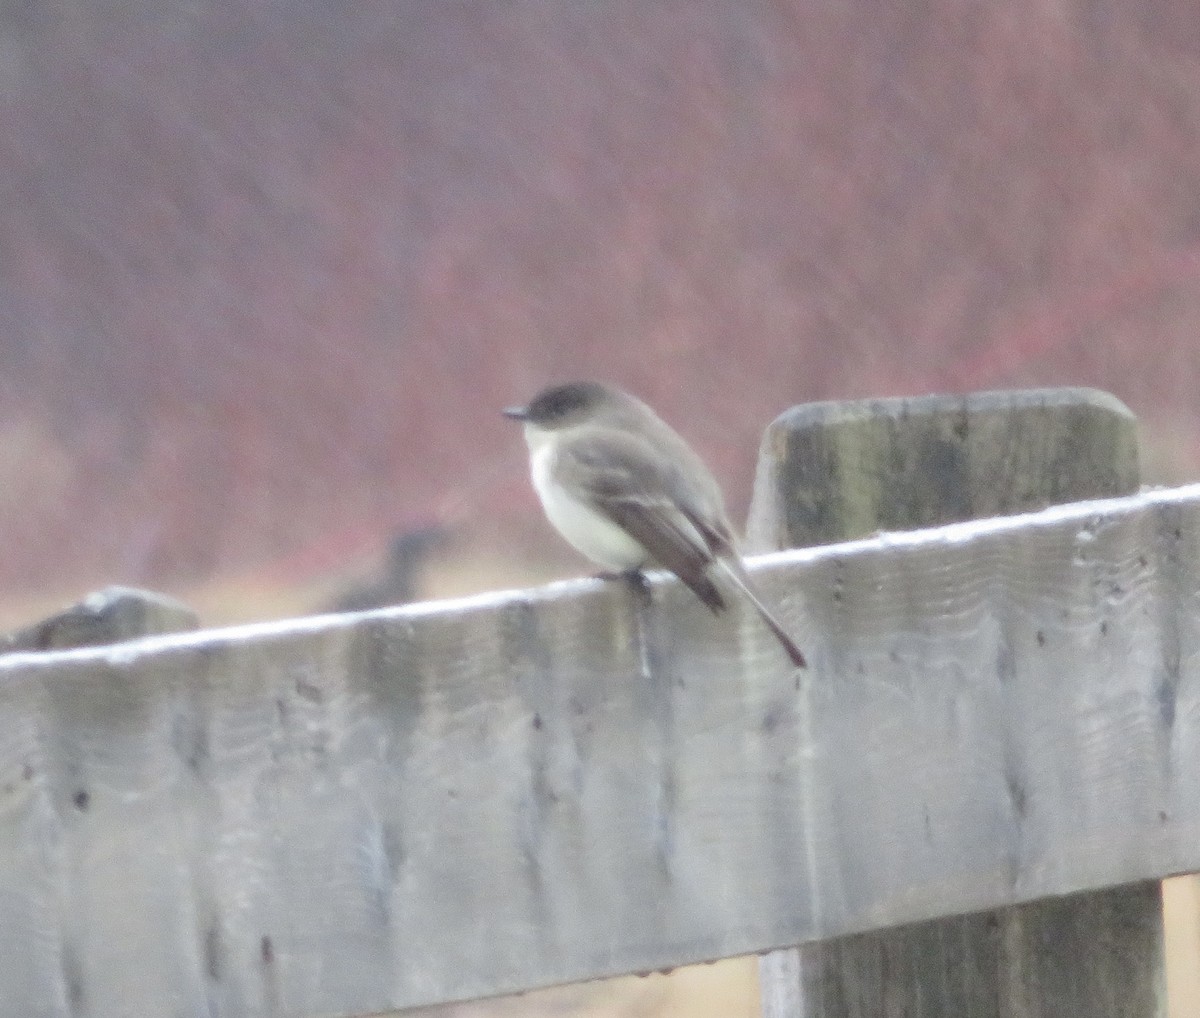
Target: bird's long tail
<point>736,572</point>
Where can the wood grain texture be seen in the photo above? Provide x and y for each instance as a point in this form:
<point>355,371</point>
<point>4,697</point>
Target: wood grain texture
<point>1062,956</point>
<point>835,471</point>
<point>442,802</point>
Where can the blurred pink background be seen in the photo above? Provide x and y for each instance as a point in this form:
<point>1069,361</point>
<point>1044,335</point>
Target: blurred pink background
<point>268,271</point>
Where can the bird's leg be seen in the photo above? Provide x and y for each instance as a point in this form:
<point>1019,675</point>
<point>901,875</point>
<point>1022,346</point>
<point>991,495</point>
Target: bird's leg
<point>636,580</point>
<point>643,603</point>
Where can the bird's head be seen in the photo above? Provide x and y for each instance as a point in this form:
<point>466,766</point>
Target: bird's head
<point>568,406</point>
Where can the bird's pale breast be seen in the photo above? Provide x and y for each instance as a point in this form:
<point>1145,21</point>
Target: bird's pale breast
<point>584,528</point>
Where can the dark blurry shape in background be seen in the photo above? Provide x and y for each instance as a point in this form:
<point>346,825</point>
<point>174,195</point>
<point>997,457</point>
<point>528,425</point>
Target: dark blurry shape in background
<point>399,579</point>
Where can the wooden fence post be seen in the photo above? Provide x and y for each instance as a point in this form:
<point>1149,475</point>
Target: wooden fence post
<point>111,615</point>
<point>832,472</point>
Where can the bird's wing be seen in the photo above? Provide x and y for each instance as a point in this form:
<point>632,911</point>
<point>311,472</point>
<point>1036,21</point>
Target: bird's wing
<point>625,479</point>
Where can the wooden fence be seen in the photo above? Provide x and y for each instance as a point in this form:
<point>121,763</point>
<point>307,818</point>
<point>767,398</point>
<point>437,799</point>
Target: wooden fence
<point>351,814</point>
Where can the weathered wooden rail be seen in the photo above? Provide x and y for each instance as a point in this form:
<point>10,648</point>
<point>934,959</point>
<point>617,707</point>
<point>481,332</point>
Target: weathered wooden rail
<point>348,814</point>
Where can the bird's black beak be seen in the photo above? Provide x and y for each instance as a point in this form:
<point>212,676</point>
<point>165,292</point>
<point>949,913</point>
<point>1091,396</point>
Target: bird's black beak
<point>516,413</point>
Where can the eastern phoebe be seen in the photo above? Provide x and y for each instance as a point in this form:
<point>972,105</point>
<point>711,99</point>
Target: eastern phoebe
<point>623,488</point>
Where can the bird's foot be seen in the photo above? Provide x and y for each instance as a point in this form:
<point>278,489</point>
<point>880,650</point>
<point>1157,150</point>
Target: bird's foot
<point>634,576</point>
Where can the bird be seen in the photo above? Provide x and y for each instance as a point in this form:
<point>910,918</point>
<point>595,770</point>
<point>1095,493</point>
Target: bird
<point>624,489</point>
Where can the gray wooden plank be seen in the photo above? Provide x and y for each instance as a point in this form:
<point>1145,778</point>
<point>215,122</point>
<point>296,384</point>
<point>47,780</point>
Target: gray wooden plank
<point>1063,956</point>
<point>836,471</point>
<point>434,803</point>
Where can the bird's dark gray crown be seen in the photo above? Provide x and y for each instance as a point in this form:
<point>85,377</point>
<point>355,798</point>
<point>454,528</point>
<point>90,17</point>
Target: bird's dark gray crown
<point>561,404</point>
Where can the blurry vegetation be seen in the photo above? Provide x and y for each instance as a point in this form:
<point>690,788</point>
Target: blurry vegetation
<point>267,273</point>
